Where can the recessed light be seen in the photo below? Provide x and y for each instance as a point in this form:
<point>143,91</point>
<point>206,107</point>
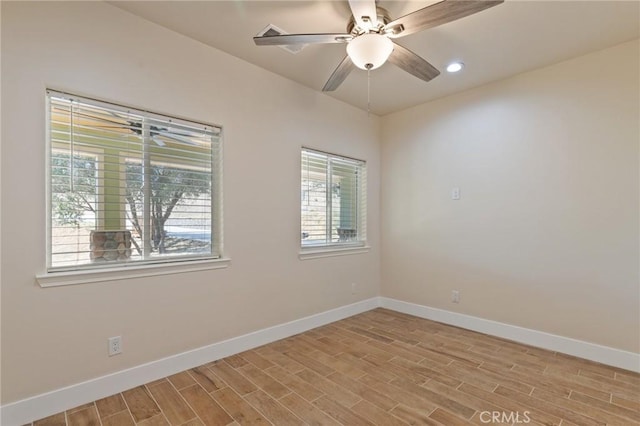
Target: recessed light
<point>455,66</point>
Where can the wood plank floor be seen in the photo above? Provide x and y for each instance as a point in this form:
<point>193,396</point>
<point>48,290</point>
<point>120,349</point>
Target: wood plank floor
<point>378,368</point>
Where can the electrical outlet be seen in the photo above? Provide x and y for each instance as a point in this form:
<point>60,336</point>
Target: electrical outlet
<point>115,345</point>
<point>354,288</point>
<point>455,296</point>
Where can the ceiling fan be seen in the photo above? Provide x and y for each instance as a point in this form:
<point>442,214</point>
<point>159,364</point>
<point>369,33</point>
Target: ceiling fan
<point>159,134</point>
<point>370,34</point>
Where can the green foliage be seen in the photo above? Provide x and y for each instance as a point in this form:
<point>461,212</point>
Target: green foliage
<point>73,187</point>
<point>74,192</point>
<point>169,186</point>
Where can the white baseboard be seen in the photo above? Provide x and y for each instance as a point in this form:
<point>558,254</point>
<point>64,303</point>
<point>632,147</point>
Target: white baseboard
<point>591,351</point>
<point>46,404</point>
<point>40,406</point>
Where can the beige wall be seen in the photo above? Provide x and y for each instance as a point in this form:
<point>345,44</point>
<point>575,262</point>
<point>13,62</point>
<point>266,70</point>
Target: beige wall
<point>545,235</point>
<point>56,337</point>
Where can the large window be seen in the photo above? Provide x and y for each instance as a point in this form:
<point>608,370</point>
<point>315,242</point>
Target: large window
<point>129,186</point>
<point>333,200</point>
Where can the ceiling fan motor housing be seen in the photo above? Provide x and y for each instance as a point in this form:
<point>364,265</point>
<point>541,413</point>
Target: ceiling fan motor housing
<point>383,19</point>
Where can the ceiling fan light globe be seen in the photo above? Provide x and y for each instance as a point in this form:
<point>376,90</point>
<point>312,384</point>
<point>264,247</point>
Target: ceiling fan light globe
<point>369,51</point>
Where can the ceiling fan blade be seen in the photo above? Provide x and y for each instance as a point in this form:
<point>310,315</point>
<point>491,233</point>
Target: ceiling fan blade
<point>183,132</point>
<point>338,76</point>
<point>364,12</point>
<point>292,39</point>
<point>158,141</point>
<point>177,138</point>
<point>436,14</point>
<point>412,63</point>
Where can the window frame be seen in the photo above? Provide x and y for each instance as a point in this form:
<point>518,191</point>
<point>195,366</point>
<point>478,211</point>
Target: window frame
<point>80,273</point>
<point>337,248</point>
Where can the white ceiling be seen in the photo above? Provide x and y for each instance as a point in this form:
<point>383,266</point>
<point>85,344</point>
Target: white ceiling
<point>499,42</point>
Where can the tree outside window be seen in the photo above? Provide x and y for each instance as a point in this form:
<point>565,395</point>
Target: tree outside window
<point>141,179</point>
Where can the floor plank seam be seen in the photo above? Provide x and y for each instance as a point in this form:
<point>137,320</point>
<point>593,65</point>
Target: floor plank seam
<point>382,363</point>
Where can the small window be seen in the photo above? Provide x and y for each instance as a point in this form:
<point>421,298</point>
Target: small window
<point>128,186</point>
<point>333,200</point>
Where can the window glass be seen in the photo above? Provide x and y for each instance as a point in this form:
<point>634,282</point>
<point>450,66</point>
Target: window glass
<point>129,186</point>
<point>333,200</point>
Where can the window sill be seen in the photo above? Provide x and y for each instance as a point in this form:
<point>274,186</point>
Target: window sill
<point>54,279</point>
<point>317,253</point>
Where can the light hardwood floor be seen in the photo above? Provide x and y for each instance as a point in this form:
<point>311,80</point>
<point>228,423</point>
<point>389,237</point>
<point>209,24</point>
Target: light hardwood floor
<point>378,368</point>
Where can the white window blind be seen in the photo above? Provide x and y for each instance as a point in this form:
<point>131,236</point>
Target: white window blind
<point>129,186</point>
<point>333,200</point>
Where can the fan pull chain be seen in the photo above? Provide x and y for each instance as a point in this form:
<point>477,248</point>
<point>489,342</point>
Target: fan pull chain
<point>368,91</point>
